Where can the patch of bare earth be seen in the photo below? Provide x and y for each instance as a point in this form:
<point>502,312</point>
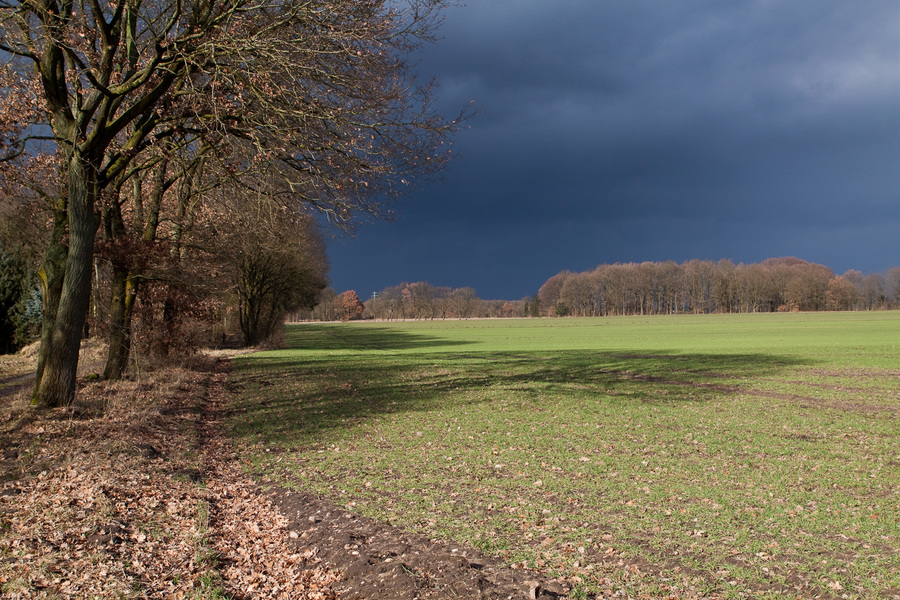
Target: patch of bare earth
<point>380,561</point>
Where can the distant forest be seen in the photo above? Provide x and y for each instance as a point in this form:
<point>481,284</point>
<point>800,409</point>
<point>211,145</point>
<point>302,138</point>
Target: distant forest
<point>647,288</point>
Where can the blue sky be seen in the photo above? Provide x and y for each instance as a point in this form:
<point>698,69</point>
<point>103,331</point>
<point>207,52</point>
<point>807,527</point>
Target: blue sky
<point>615,131</point>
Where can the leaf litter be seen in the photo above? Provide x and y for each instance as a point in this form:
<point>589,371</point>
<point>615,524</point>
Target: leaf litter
<point>131,494</point>
<point>134,492</point>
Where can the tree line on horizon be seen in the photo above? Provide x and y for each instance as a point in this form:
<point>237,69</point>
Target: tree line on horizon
<point>703,286</point>
<point>648,288</point>
<point>417,301</point>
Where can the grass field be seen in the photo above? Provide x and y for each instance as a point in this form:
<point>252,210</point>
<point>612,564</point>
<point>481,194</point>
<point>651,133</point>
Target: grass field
<point>714,456</point>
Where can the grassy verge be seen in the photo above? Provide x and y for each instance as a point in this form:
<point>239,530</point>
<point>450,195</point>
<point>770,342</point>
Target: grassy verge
<point>725,456</point>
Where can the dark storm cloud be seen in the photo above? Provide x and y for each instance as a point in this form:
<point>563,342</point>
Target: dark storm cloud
<point>637,130</point>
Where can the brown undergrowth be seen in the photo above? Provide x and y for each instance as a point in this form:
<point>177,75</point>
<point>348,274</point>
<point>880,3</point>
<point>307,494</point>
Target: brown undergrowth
<point>133,493</point>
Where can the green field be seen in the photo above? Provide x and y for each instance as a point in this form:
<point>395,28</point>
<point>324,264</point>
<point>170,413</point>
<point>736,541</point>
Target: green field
<point>717,455</point>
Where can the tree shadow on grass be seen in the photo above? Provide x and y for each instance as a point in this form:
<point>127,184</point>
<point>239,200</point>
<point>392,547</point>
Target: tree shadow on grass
<point>360,337</point>
<point>286,398</point>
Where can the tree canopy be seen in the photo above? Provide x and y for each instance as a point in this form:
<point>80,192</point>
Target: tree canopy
<point>311,103</point>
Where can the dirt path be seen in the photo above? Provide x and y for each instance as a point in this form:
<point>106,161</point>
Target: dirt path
<point>380,561</point>
<point>13,385</point>
<point>132,493</point>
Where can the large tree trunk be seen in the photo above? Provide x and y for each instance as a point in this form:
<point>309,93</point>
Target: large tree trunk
<point>51,278</point>
<point>56,386</point>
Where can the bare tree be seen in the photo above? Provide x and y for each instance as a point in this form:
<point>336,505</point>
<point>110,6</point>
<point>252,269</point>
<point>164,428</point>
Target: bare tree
<point>549,292</point>
<point>463,302</point>
<point>274,261</point>
<point>325,306</point>
<point>725,287</point>
<point>840,295</point>
<point>577,292</point>
<point>892,286</point>
<point>158,188</point>
<point>320,91</point>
